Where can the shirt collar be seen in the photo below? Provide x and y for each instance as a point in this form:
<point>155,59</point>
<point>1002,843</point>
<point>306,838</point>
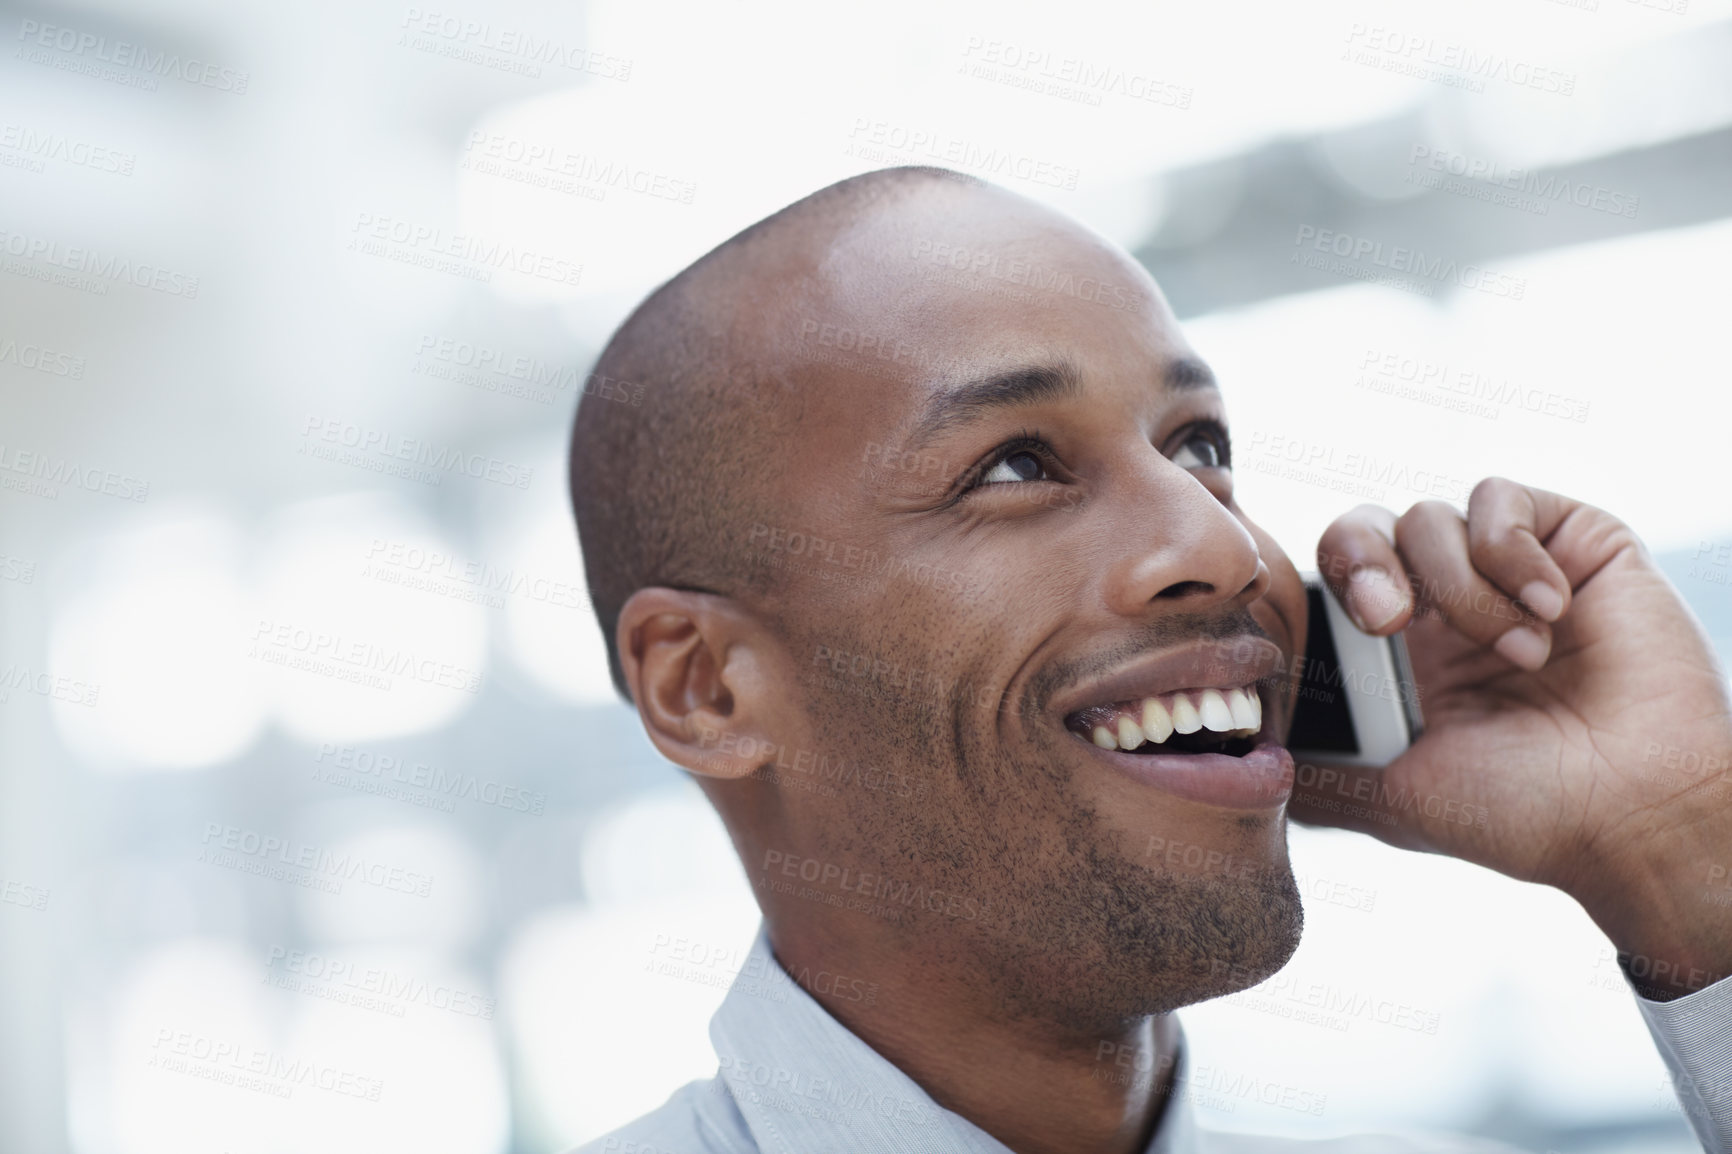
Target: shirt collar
<point>803,1081</point>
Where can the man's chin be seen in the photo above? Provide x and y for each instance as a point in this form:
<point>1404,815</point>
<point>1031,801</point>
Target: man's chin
<point>1237,941</point>
<point>1133,950</point>
<point>1257,956</point>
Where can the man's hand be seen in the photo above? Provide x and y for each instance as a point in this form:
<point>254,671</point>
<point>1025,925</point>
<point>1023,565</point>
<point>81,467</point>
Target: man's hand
<point>1575,716</point>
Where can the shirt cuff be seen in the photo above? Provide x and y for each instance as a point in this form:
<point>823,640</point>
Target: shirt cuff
<point>1694,1035</point>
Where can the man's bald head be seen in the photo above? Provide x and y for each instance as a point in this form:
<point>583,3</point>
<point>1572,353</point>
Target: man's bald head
<point>666,490</point>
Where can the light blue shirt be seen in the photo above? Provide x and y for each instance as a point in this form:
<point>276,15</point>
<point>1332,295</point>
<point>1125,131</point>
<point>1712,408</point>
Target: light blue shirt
<point>794,1080</point>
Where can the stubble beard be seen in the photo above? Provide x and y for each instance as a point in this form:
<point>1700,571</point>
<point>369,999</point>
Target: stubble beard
<point>1074,927</point>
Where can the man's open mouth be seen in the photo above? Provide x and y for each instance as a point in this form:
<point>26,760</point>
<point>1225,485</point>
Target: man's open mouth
<point>1209,720</point>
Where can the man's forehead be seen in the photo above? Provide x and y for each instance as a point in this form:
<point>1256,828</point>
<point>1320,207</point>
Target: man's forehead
<point>958,301</point>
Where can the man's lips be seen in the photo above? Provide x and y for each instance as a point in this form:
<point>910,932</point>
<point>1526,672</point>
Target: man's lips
<point>1259,780</point>
<point>1194,715</point>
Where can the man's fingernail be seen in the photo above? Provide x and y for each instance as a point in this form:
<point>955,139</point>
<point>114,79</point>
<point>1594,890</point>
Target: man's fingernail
<point>1546,602</point>
<point>1373,599</point>
<point>1524,647</point>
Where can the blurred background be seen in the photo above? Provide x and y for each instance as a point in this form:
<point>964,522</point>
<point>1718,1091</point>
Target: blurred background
<point>319,827</point>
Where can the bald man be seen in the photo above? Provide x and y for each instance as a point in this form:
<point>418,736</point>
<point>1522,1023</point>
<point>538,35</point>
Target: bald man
<point>929,502</point>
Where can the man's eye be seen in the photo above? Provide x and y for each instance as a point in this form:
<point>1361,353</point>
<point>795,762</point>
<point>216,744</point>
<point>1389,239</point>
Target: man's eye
<point>1200,452</point>
<point>1021,465</point>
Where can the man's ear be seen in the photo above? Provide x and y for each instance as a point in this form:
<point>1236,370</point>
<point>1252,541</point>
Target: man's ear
<point>703,673</point>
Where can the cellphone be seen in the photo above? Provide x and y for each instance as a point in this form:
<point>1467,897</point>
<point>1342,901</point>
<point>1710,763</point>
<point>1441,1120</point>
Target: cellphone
<point>1357,703</point>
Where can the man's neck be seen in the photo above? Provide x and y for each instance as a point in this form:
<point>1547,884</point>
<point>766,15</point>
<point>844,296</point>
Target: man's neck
<point>1035,1088</point>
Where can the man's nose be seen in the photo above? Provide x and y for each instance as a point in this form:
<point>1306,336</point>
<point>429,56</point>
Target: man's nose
<point>1183,547</point>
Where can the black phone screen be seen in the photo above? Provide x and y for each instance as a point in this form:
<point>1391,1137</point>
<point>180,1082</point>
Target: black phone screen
<point>1322,721</point>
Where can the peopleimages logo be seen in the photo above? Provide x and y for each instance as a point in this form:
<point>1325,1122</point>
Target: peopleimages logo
<point>132,64</point>
<point>800,1091</point>
<point>295,646</point>
<point>40,359</point>
<point>514,374</point>
<point>1423,55</point>
<point>37,147</point>
<point>882,141</point>
<point>17,893</point>
<point>46,473</point>
<point>412,566</point>
<point>22,679</point>
<point>989,265</point>
<point>89,262</point>
<point>325,865</point>
<point>1364,474</point>
<point>1537,190</point>
<point>1397,258</point>
<point>507,49</point>
<point>878,887</point>
<point>1067,77</point>
<point>369,987</point>
<point>463,254</point>
<point>254,1068</point>
<point>499,154</point>
<point>1460,390</point>
<point>381,450</point>
<point>384,770</point>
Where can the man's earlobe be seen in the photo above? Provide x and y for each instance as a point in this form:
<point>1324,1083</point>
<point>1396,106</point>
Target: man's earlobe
<point>701,677</point>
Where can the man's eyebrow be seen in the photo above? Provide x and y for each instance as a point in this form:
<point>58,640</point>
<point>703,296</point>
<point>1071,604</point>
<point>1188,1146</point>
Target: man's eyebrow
<point>1189,373</point>
<point>1031,385</point>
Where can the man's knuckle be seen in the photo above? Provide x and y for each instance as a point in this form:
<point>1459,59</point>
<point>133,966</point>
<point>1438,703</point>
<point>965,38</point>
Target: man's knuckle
<point>1491,488</point>
<point>1500,543</point>
<point>1425,517</point>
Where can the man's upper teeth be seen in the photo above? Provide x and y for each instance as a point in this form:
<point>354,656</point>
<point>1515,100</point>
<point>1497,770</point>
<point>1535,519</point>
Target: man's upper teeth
<point>1247,709</point>
<point>1186,719</point>
<point>1214,712</point>
<point>1130,733</point>
<point>1157,720</point>
<point>1234,711</point>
